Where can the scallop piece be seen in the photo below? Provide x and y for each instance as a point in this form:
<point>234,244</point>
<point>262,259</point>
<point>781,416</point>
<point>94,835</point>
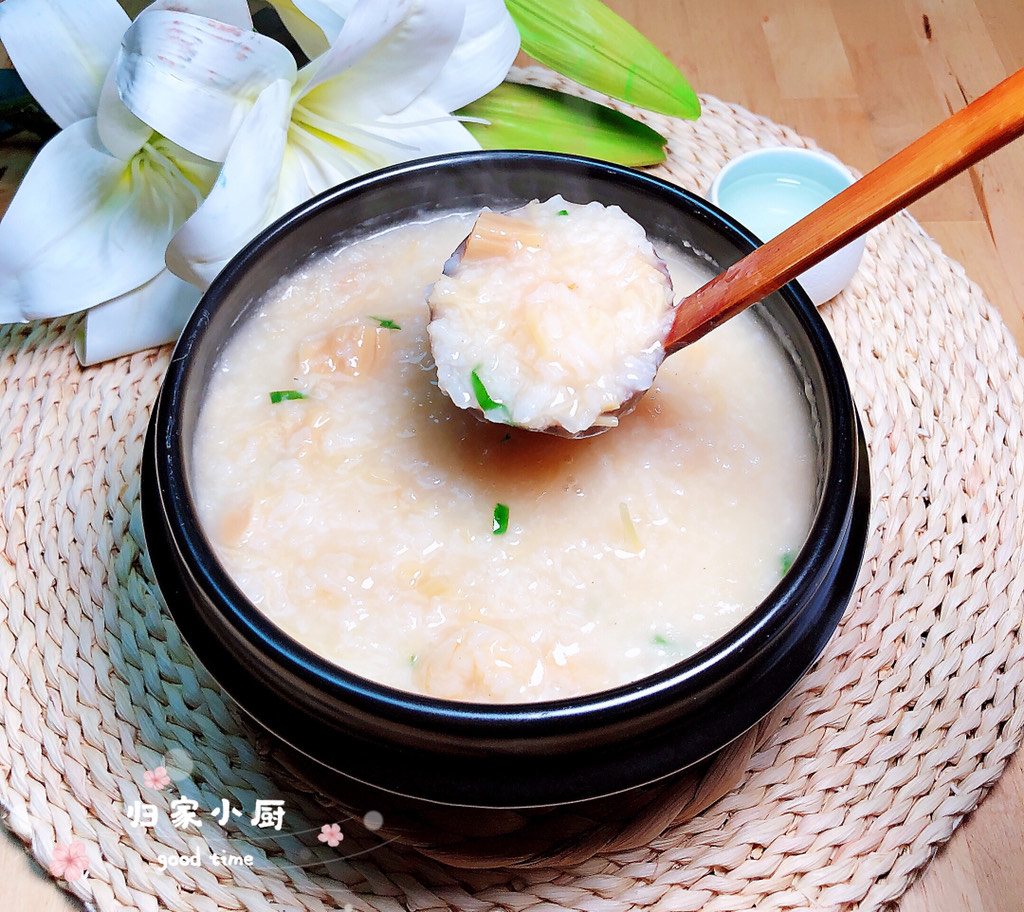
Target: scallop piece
<point>551,316</point>
<point>479,661</point>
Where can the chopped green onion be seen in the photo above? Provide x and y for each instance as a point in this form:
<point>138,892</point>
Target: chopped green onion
<point>500,523</point>
<point>660,640</point>
<point>283,395</point>
<point>386,323</point>
<point>563,211</point>
<point>786,562</point>
<point>483,398</point>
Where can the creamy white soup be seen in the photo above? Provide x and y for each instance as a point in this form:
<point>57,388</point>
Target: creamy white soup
<point>400,538</point>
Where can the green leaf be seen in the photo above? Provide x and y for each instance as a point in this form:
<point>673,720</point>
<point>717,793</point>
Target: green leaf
<point>587,42</point>
<point>386,322</point>
<point>539,119</point>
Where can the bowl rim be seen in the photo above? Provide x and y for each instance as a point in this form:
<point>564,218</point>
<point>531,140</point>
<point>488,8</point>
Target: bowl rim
<point>680,681</point>
<point>767,155</point>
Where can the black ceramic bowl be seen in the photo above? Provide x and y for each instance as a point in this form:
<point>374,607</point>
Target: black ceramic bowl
<point>476,755</point>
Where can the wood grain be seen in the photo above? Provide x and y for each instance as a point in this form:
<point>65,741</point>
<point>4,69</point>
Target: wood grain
<point>964,138</point>
<point>864,79</point>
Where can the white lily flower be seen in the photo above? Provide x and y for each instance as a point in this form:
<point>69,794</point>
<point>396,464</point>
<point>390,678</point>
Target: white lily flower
<point>150,108</point>
<point>382,93</point>
<point>86,226</point>
<point>92,218</point>
<point>487,44</point>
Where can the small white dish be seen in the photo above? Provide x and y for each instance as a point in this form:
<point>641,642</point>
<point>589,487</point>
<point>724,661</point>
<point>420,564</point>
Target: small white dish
<point>767,190</point>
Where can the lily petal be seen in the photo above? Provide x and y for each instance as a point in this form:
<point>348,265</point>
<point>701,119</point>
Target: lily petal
<point>194,79</point>
<point>62,50</point>
<point>485,52</point>
<point>152,314</point>
<point>316,160</point>
<point>121,132</point>
<point>243,199</point>
<point>232,12</point>
<point>85,226</point>
<point>329,152</point>
<point>423,129</point>
<point>314,24</point>
<point>388,53</point>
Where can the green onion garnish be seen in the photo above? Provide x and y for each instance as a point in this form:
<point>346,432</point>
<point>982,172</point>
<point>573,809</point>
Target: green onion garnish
<point>386,323</point>
<point>660,640</point>
<point>786,562</point>
<point>283,395</point>
<point>563,211</point>
<point>500,523</point>
<point>483,397</point>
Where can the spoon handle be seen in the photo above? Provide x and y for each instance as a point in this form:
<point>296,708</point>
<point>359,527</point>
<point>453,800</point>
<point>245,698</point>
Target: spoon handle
<point>972,133</point>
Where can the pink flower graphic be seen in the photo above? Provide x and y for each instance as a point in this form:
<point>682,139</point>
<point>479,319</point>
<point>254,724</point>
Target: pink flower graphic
<point>69,862</point>
<point>157,778</point>
<point>331,834</point>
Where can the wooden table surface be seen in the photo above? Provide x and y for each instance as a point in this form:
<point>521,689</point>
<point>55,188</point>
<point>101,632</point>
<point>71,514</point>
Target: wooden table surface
<point>863,78</point>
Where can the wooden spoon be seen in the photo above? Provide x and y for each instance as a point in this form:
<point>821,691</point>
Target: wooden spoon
<point>985,125</point>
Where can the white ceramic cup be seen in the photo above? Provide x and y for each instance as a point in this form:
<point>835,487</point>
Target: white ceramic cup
<point>767,190</point>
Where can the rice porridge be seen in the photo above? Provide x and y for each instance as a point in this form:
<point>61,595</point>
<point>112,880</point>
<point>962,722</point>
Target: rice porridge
<point>397,536</point>
<point>555,313</point>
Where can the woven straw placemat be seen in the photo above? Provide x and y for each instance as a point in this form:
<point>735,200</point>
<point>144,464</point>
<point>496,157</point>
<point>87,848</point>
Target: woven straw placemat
<point>871,762</point>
